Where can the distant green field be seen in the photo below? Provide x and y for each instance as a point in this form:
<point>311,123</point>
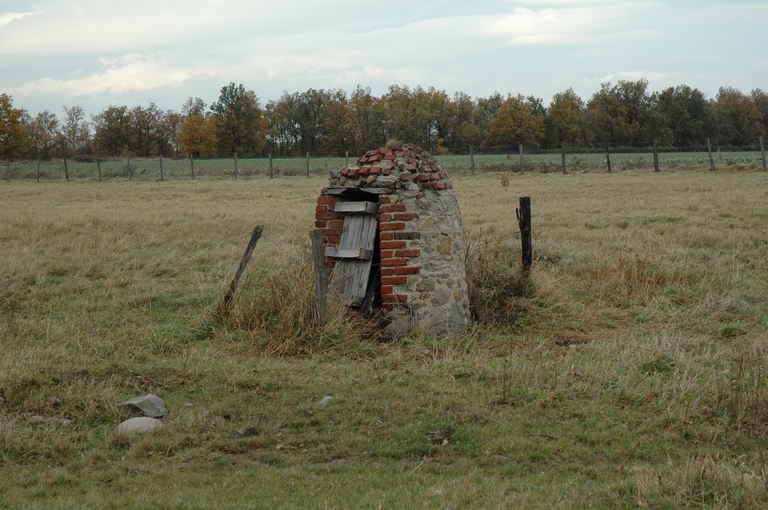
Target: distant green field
<point>149,168</point>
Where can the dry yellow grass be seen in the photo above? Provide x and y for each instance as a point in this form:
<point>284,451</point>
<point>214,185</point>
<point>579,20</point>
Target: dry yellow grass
<point>640,345</point>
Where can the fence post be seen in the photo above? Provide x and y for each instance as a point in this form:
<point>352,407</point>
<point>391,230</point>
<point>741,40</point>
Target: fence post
<point>321,276</point>
<point>270,166</point>
<point>66,169</point>
<point>38,169</point>
<point>162,174</point>
<point>192,165</point>
<point>524,221</point>
<point>472,160</point>
<point>128,168</point>
<point>8,170</point>
<point>235,165</point>
<point>562,148</point>
<point>346,158</point>
<point>522,160</point>
<point>98,164</point>
<point>762,150</point>
<point>655,156</point>
<point>307,165</point>
<point>608,156</point>
<point>711,160</point>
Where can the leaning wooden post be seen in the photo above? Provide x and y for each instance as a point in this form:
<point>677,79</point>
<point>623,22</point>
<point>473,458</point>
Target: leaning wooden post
<point>98,165</point>
<point>524,221</point>
<point>711,159</point>
<point>608,156</point>
<point>8,170</point>
<point>243,262</point>
<point>321,276</point>
<point>162,174</point>
<point>270,166</point>
<point>472,160</point>
<point>38,169</point>
<point>307,165</point>
<point>655,156</point>
<point>66,169</point>
<point>762,150</point>
<point>522,160</point>
<point>235,165</point>
<point>192,165</point>
<point>562,151</point>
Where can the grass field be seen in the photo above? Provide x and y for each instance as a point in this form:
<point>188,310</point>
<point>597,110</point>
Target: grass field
<point>635,374</point>
<point>149,168</point>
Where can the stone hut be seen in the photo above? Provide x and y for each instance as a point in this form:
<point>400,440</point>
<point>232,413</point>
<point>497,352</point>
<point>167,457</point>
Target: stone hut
<point>391,229</point>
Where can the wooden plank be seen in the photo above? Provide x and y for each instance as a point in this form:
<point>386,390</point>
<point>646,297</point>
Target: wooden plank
<point>321,276</point>
<point>255,236</point>
<point>356,207</point>
<point>335,192</point>
<point>356,253</point>
<point>351,275</point>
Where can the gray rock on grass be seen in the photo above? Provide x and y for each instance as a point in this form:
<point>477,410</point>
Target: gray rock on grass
<point>138,425</point>
<point>150,405</point>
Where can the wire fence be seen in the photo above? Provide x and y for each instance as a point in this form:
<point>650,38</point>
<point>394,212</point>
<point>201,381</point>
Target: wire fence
<point>527,159</point>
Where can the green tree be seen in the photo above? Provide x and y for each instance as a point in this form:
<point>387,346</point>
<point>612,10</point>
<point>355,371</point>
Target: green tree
<point>514,124</point>
<point>75,131</point>
<point>44,131</point>
<point>688,115</point>
<point>567,121</point>
<point>368,118</point>
<point>239,121</point>
<point>737,118</point>
<point>113,131</point>
<point>14,137</point>
<point>760,99</point>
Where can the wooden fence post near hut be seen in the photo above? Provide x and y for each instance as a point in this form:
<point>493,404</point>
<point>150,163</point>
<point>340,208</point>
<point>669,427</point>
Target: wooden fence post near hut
<point>711,159</point>
<point>8,170</point>
<point>524,221</point>
<point>162,174</point>
<point>472,160</point>
<point>655,156</point>
<point>346,158</point>
<point>608,156</point>
<point>762,151</point>
<point>241,267</point>
<point>38,170</point>
<point>522,160</point>
<point>66,170</point>
<point>307,165</point>
<point>270,166</point>
<point>321,276</point>
<point>98,165</point>
<point>128,168</point>
<point>562,148</point>
<point>235,157</point>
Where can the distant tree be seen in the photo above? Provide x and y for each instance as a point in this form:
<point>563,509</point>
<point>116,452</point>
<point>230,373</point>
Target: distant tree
<point>193,106</point>
<point>197,136</point>
<point>760,99</point>
<point>75,131</point>
<point>567,121</point>
<point>145,130</point>
<point>368,118</point>
<point>464,133</point>
<point>514,124</point>
<point>113,131</point>
<point>737,118</point>
<point>626,114</point>
<point>239,121</point>
<point>14,137</point>
<point>44,130</point>
<point>688,115</point>
<point>168,128</point>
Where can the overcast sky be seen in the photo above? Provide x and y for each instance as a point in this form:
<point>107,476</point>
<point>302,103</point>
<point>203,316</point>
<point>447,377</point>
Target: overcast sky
<point>99,53</point>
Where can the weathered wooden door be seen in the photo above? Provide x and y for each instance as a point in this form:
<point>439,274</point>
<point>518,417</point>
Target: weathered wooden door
<point>355,249</point>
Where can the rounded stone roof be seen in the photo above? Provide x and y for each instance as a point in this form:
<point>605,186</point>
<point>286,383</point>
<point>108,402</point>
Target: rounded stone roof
<point>402,166</point>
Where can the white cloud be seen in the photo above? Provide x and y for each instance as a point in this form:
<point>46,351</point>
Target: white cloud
<point>132,73</point>
<point>8,17</point>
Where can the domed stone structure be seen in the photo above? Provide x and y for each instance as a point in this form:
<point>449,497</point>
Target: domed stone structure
<point>391,227</point>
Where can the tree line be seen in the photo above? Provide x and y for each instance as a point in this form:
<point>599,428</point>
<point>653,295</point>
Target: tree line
<point>331,122</point>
